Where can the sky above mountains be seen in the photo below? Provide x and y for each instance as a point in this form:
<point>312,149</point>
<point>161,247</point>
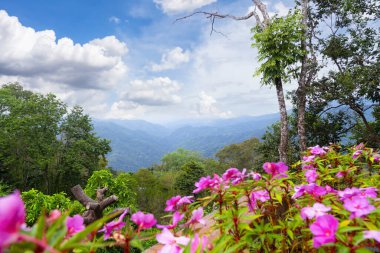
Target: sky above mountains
<point>125,59</point>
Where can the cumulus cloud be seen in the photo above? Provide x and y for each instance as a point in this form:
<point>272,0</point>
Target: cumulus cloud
<point>175,6</point>
<point>37,56</point>
<point>224,68</point>
<point>154,92</point>
<point>172,59</point>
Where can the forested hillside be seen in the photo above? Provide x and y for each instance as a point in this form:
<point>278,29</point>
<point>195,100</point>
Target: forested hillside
<point>137,144</point>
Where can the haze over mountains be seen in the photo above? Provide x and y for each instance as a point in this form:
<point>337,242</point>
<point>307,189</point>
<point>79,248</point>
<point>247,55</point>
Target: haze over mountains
<point>138,143</point>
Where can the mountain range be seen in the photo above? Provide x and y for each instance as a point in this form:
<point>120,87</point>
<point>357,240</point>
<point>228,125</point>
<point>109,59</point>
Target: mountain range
<point>138,143</point>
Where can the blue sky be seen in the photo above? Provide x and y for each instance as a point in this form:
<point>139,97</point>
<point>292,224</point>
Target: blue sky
<point>126,59</point>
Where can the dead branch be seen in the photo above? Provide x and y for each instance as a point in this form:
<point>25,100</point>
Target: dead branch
<point>94,209</point>
<point>257,4</point>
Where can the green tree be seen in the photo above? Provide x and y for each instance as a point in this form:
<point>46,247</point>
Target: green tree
<point>190,173</point>
<point>352,47</point>
<point>175,160</point>
<point>42,145</point>
<point>29,126</point>
<point>278,43</point>
<point>240,155</point>
<point>123,185</point>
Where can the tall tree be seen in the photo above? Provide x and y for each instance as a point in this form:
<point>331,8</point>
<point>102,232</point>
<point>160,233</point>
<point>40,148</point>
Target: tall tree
<point>42,145</point>
<point>350,43</point>
<point>278,46</point>
<point>282,43</point>
<point>29,126</point>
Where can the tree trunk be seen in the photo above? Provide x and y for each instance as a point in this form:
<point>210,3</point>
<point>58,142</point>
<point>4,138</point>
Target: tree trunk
<point>282,148</point>
<point>94,209</point>
<point>302,83</point>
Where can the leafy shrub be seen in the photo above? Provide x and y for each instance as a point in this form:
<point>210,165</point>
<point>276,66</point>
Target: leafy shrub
<point>123,186</point>
<point>328,202</point>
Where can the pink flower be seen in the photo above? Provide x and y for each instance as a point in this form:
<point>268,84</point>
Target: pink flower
<point>308,159</point>
<point>171,204</point>
<point>177,217</point>
<point>217,183</point>
<point>277,170</point>
<point>171,242</point>
<point>312,189</point>
<point>114,225</point>
<point>349,193</point>
<point>372,234</point>
<point>53,216</point>
<point>196,243</point>
<point>262,195</point>
<point>358,207</point>
<point>234,175</point>
<point>175,202</point>
<point>197,217</point>
<point>308,167</point>
<point>255,176</point>
<point>329,189</point>
<point>202,184</point>
<point>316,210</point>
<point>317,150</point>
<point>311,176</point>
<point>74,224</point>
<point>376,158</point>
<point>356,154</point>
<point>369,192</point>
<point>185,200</point>
<point>324,229</point>
<point>142,220</point>
<point>12,217</point>
<point>341,174</point>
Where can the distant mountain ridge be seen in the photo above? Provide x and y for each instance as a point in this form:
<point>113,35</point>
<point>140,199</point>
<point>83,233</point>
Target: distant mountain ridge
<point>138,143</point>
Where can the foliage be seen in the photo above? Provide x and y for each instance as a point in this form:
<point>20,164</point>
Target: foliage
<point>240,155</point>
<point>37,203</point>
<point>190,172</point>
<point>175,160</point>
<point>328,204</point>
<point>42,144</point>
<point>279,48</point>
<point>122,185</point>
<point>350,45</point>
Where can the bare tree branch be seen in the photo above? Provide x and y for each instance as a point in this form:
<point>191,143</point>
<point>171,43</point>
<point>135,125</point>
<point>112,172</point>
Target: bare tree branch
<point>215,15</point>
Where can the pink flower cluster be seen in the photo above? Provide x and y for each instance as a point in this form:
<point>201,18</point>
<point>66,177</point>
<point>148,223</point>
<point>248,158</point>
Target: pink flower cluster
<point>176,202</point>
<point>312,189</point>
<point>234,175</point>
<point>318,151</point>
<point>276,170</point>
<point>214,184</point>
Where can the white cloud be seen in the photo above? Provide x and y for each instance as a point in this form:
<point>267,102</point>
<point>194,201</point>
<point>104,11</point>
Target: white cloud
<point>154,92</point>
<point>173,6</point>
<point>224,69</point>
<point>114,19</point>
<point>172,59</point>
<point>207,106</point>
<point>281,9</point>
<point>125,110</point>
<point>37,56</point>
